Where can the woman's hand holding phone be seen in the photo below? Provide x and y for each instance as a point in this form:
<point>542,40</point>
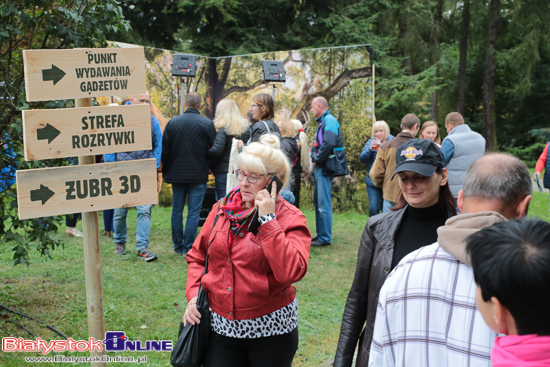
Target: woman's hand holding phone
<point>265,201</point>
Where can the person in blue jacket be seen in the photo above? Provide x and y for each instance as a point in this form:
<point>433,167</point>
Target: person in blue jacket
<point>380,134</point>
<point>143,228</point>
<point>7,172</point>
<point>7,177</point>
<point>329,161</point>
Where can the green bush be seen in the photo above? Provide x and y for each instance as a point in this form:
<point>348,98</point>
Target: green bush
<point>528,154</point>
<point>348,198</point>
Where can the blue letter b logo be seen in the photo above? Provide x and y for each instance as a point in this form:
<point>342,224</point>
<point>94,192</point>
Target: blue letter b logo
<point>114,341</point>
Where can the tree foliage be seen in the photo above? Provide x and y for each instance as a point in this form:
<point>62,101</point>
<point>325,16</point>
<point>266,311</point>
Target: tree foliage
<point>33,25</point>
<point>416,49</point>
<point>416,46</point>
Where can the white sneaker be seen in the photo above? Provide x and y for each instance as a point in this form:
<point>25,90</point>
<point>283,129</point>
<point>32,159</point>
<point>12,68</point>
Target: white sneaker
<point>73,232</point>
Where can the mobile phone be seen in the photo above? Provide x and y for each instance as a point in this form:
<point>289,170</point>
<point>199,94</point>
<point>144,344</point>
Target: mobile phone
<point>278,182</point>
<point>254,223</point>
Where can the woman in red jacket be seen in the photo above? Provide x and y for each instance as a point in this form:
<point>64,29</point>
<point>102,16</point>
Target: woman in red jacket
<point>250,276</point>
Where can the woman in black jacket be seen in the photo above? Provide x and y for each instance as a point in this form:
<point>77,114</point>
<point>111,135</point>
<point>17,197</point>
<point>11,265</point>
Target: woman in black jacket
<point>229,124</point>
<point>425,203</point>
<point>263,109</point>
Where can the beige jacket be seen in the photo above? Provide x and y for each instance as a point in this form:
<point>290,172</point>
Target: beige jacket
<point>384,167</point>
<point>452,236</point>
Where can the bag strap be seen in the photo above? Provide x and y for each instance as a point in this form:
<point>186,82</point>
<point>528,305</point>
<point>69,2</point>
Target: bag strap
<point>250,134</point>
<point>210,241</point>
<point>267,126</point>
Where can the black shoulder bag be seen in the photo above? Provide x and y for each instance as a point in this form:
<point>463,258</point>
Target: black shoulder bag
<point>190,348</point>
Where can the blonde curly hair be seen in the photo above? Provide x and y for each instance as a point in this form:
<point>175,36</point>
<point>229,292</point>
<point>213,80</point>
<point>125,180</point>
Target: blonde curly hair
<point>265,156</point>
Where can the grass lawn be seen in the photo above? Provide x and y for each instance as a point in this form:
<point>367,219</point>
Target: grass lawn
<point>147,300</point>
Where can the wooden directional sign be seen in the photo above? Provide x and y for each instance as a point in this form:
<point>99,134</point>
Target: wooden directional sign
<point>65,190</point>
<point>71,132</point>
<point>83,73</point>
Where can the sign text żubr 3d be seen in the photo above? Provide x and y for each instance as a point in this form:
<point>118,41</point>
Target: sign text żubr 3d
<point>83,73</point>
<point>65,190</point>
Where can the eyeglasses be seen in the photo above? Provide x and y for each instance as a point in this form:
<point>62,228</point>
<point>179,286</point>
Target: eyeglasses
<point>251,177</point>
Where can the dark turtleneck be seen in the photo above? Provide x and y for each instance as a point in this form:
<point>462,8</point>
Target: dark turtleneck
<point>418,228</point>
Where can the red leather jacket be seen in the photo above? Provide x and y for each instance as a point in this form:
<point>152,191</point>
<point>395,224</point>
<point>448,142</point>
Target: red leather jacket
<point>256,278</point>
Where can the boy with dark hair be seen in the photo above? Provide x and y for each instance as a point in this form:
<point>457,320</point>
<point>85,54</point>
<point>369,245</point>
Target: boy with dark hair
<point>511,264</point>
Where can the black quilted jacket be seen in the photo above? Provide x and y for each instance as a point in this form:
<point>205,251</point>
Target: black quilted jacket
<point>185,146</point>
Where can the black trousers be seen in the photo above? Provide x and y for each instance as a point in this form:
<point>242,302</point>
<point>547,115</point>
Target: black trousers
<point>272,351</point>
<point>71,219</point>
<point>297,186</point>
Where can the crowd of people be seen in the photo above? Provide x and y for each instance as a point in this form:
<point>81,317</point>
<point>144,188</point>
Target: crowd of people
<point>433,288</point>
<point>449,272</point>
<point>419,297</point>
<point>193,146</point>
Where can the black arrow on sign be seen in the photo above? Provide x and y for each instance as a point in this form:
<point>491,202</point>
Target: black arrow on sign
<point>55,74</point>
<point>49,132</point>
<point>42,194</point>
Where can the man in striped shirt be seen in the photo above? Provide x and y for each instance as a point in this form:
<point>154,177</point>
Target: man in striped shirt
<point>427,315</point>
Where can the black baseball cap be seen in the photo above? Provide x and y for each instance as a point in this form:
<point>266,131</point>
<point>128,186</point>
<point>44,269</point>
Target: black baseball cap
<point>420,156</point>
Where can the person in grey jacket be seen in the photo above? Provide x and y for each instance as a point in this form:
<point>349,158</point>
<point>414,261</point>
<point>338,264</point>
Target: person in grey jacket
<point>423,205</point>
<point>461,148</point>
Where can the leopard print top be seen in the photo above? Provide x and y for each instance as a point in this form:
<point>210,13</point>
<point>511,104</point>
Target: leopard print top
<point>279,322</point>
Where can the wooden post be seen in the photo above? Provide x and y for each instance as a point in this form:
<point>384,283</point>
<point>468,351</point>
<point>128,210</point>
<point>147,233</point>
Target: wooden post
<point>92,263</point>
<point>373,100</point>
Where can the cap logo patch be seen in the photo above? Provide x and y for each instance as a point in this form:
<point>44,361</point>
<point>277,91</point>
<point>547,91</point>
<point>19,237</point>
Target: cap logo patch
<point>411,152</point>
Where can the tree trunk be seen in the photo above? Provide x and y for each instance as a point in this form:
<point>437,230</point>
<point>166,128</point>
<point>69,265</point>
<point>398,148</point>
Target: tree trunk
<point>222,79</point>
<point>404,52</point>
<point>437,42</point>
<point>214,84</point>
<point>210,78</point>
<point>489,128</point>
<point>462,63</point>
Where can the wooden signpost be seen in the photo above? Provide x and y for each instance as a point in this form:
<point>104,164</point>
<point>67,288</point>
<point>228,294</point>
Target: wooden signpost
<point>74,189</point>
<point>83,73</point>
<point>85,131</point>
<point>73,132</point>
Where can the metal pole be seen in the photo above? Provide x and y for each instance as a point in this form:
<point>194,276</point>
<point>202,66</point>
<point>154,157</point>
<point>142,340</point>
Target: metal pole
<point>92,263</point>
<point>274,91</point>
<point>182,96</point>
